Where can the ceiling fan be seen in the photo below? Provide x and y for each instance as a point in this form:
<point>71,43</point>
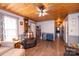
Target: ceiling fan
<point>42,11</point>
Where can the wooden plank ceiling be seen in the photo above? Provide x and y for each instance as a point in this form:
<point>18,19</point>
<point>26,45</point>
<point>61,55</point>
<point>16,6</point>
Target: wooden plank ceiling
<point>30,10</point>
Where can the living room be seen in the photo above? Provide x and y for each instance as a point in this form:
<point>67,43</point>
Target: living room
<point>38,29</point>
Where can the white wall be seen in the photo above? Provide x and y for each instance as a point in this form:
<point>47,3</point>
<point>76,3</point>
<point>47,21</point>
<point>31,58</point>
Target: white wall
<point>47,26</point>
<point>21,27</point>
<point>65,25</point>
<point>73,28</point>
<point>73,20</point>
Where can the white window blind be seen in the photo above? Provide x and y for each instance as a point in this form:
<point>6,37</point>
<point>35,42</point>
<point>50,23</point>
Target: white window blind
<point>10,28</point>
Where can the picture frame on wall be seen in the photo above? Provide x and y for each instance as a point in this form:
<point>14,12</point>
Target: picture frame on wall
<point>21,23</point>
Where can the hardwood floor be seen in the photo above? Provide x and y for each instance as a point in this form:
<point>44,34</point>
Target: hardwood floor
<point>47,48</point>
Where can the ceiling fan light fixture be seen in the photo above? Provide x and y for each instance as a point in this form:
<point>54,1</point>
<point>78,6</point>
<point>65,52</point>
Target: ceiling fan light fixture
<point>42,13</point>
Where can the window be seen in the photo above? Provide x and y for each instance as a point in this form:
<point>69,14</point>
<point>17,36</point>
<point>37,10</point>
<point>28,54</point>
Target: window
<point>10,28</point>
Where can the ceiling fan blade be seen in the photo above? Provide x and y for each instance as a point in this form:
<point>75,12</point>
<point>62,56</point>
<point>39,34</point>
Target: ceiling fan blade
<point>38,9</point>
<point>40,14</point>
<point>45,10</point>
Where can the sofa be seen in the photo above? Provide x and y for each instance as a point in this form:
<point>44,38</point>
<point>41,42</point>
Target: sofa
<point>7,49</point>
<point>4,50</point>
<point>15,52</point>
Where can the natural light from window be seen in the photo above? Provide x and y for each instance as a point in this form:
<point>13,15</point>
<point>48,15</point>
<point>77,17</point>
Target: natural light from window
<point>10,28</point>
